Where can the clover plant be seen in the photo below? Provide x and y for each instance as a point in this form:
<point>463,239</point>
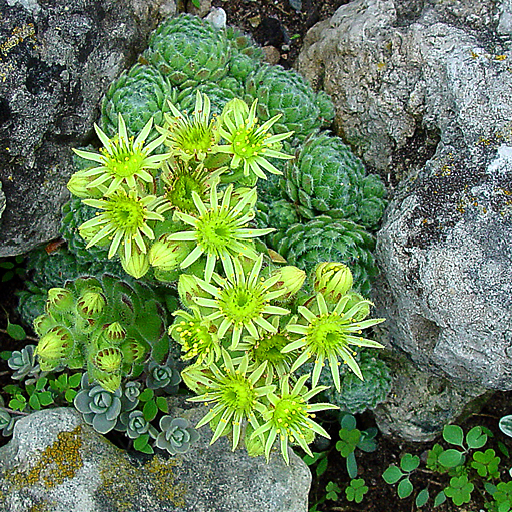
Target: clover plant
<point>174,202</point>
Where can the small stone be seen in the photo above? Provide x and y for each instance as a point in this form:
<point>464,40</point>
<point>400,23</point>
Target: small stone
<point>271,54</point>
<point>217,17</point>
<point>255,21</point>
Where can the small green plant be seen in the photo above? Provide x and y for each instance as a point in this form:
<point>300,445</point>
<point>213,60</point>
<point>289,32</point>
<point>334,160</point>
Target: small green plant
<point>356,490</point>
<point>11,267</point>
<point>352,439</point>
<point>466,467</point>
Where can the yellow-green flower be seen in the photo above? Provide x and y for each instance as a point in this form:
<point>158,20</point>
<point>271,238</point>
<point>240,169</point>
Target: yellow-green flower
<point>248,143</point>
<point>191,137</point>
<point>242,302</point>
<point>236,397</point>
<point>329,335</point>
<point>290,417</point>
<point>221,232</point>
<point>124,218</point>
<point>197,336</point>
<point>122,160</point>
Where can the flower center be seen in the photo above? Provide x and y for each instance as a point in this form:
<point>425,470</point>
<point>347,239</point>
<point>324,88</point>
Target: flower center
<point>191,137</point>
<point>247,143</point>
<point>289,413</point>
<point>269,348</point>
<point>180,195</point>
<point>126,213</point>
<point>215,231</point>
<point>122,159</point>
<point>238,394</point>
<point>327,333</point>
<point>241,304</point>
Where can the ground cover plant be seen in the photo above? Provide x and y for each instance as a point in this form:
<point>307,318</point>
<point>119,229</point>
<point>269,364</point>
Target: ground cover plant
<point>173,273</point>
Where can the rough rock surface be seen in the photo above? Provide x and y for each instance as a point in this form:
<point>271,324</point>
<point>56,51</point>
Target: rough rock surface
<point>56,60</point>
<point>423,89</point>
<point>59,464</point>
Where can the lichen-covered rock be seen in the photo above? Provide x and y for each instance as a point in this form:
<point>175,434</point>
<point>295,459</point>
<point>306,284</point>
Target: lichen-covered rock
<point>423,90</point>
<point>59,464</point>
<point>57,59</point>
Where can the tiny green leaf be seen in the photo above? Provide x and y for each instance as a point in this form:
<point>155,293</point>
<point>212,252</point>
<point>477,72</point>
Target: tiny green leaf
<point>150,410</point>
<point>70,395</point>
<point>322,467</point>
<point>351,465</point>
<point>404,488</point>
<point>161,403</point>
<point>392,474</point>
<point>146,395</point>
<point>451,458</point>
<point>453,434</point>
<point>141,444</point>
<point>15,331</point>
<point>439,499</point>
<point>45,398</point>
<point>409,462</point>
<point>74,380</point>
<point>33,401</point>
<point>422,498</point>
<point>476,438</point>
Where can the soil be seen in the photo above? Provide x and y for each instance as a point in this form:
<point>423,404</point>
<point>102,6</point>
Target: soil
<point>277,23</point>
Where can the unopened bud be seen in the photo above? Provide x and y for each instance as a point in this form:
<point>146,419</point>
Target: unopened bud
<point>133,351</point>
<point>42,324</point>
<point>114,333</point>
<point>108,359</point>
<point>364,309</point>
<point>138,264</point>
<point>59,299</point>
<point>332,280</point>
<point>77,185</point>
<point>290,281</point>
<point>91,304</point>
<point>188,288</point>
<point>167,255</point>
<point>108,381</point>
<point>55,345</point>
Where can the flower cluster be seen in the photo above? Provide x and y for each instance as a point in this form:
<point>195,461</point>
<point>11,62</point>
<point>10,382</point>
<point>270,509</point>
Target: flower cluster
<point>187,216</point>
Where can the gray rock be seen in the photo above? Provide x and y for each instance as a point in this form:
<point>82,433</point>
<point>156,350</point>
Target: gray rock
<point>60,464</point>
<point>423,92</point>
<point>56,61</point>
<point>2,202</point>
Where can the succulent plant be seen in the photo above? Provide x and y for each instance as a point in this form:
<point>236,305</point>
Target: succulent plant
<point>7,422</point>
<point>219,94</point>
<point>324,239</point>
<point>246,55</point>
<point>357,395</point>
<point>138,95</point>
<point>99,407</point>
<point>135,425</point>
<point>162,376</point>
<point>188,50</point>
<point>23,362</point>
<point>327,178</point>
<point>176,436</point>
<point>105,325</point>
<point>285,92</point>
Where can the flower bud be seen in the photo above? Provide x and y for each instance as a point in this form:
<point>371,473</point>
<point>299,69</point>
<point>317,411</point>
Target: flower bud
<point>332,280</point>
<point>133,351</point>
<point>42,324</point>
<point>188,288</point>
<point>108,359</point>
<point>138,264</point>
<point>115,333</point>
<point>77,185</point>
<point>290,281</point>
<point>91,304</point>
<point>59,299</point>
<point>167,255</point>
<point>55,345</point>
<point>364,308</point>
<point>108,381</point>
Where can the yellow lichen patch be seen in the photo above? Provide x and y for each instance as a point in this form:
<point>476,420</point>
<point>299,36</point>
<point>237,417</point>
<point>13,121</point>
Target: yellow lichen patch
<point>122,482</point>
<point>57,463</point>
<point>163,480</point>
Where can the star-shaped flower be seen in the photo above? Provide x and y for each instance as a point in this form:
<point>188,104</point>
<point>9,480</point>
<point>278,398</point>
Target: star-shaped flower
<point>221,231</point>
<point>329,335</point>
<point>249,143</point>
<point>242,302</point>
<point>122,160</point>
